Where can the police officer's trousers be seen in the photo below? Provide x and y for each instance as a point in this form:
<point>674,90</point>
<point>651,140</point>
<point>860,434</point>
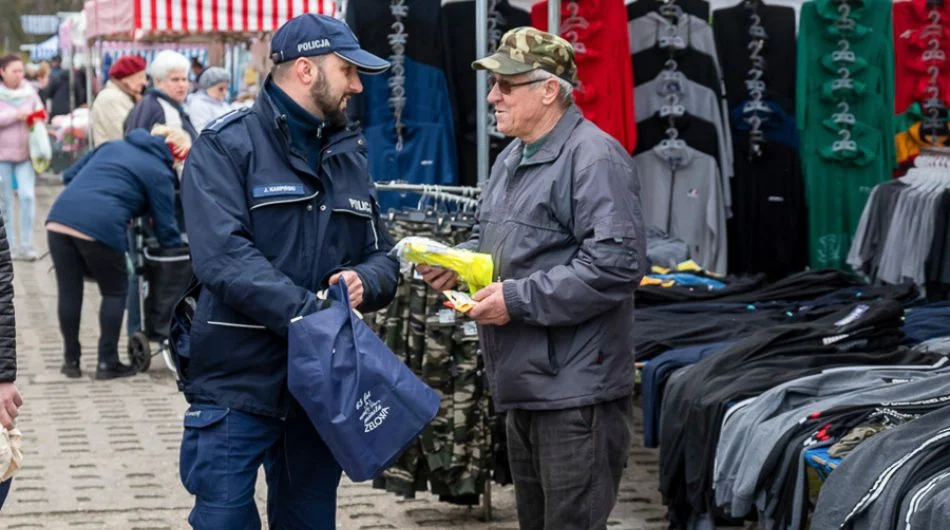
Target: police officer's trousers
<point>221,453</point>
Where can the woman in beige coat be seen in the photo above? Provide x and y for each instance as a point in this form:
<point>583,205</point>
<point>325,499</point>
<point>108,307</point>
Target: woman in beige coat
<point>114,103</point>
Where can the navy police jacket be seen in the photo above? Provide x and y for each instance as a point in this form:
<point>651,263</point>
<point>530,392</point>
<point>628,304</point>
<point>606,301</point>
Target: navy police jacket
<point>266,233</point>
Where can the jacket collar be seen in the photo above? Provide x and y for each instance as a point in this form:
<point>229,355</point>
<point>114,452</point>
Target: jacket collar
<point>829,9</point>
<point>554,142</point>
<point>270,115</point>
<point>675,157</point>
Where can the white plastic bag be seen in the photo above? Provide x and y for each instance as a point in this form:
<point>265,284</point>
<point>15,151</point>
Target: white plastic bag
<point>41,151</point>
<point>11,456</point>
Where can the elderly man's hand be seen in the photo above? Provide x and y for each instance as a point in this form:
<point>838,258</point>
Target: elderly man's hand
<point>354,285</point>
<point>10,401</point>
<point>438,278</point>
<point>490,309</point>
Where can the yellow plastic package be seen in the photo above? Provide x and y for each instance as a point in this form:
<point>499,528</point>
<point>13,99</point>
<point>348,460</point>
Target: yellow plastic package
<point>473,268</point>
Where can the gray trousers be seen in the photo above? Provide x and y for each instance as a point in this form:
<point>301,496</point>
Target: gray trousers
<point>567,464</point>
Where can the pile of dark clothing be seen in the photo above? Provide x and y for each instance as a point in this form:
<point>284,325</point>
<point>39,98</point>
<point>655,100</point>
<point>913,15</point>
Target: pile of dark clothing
<point>744,387</point>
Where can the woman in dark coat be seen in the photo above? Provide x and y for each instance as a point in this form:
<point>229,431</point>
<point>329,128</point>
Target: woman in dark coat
<point>87,225</point>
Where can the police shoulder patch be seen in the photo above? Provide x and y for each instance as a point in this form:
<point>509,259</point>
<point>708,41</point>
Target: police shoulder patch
<point>227,119</point>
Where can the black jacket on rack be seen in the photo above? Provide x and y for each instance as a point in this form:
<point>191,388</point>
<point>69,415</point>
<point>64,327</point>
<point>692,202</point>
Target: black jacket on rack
<point>459,39</point>
<point>768,191</point>
<point>731,30</point>
<point>697,66</point>
<point>696,132</point>
<point>406,112</point>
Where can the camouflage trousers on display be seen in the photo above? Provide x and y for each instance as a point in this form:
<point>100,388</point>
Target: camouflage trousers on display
<point>453,456</point>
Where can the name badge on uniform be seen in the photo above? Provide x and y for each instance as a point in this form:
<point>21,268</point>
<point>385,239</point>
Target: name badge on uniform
<point>271,190</point>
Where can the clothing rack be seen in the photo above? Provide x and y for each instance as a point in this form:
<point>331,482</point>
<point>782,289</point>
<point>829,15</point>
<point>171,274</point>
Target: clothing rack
<point>465,191</point>
<point>465,196</point>
<point>460,195</point>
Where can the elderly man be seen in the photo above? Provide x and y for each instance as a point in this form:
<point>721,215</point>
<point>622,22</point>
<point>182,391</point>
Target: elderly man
<point>163,103</point>
<point>284,206</point>
<point>561,217</point>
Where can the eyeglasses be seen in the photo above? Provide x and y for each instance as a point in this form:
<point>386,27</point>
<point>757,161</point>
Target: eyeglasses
<point>505,86</point>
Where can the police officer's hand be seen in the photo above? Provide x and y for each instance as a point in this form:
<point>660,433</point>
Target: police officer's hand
<point>438,278</point>
<point>10,401</point>
<point>491,308</point>
<point>354,285</point>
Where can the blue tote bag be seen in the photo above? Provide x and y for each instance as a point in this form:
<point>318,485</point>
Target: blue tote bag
<point>365,402</point>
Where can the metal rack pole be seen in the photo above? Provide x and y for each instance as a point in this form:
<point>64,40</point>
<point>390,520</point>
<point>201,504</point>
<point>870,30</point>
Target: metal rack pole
<point>481,139</point>
<point>481,90</point>
<point>554,17</point>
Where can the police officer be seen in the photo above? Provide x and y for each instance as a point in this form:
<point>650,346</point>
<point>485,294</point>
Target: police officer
<point>278,205</point>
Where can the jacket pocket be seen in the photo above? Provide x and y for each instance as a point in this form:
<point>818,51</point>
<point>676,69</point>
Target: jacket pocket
<point>354,227</point>
<point>204,446</point>
<point>278,225</point>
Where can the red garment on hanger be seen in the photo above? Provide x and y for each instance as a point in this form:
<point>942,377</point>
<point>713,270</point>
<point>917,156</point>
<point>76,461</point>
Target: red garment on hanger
<point>917,48</point>
<point>598,31</point>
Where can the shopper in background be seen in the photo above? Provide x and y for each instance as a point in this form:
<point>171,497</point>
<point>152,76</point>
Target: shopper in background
<point>124,180</point>
<point>17,101</point>
<point>210,102</point>
<point>163,103</point>
<point>562,219</point>
<point>38,75</point>
<point>195,71</point>
<point>56,91</point>
<point>10,399</point>
<point>117,99</point>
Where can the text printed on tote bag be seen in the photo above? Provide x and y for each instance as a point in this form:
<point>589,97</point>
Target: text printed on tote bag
<point>374,413</point>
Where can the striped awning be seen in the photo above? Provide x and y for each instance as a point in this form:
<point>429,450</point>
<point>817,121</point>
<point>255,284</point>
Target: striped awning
<point>149,18</point>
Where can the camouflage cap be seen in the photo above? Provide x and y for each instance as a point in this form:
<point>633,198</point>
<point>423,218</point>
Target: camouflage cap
<point>525,49</point>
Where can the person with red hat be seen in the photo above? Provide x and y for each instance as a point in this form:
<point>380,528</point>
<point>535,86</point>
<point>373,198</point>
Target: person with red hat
<point>114,103</point>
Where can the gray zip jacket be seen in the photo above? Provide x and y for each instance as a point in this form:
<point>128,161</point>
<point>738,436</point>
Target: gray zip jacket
<point>566,233</point>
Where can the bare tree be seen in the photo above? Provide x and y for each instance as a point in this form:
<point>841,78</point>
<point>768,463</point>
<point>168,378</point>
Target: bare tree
<point>11,10</point>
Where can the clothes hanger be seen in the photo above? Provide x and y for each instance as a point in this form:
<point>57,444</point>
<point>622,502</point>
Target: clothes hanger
<point>845,143</point>
<point>844,81</point>
<point>672,107</point>
<point>752,86</point>
<point>844,53</point>
<point>844,115</point>
<point>756,105</point>
<point>671,143</point>
<point>671,10</point>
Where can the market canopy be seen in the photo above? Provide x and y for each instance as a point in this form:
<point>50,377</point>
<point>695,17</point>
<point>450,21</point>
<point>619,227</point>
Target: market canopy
<point>44,50</point>
<point>154,19</point>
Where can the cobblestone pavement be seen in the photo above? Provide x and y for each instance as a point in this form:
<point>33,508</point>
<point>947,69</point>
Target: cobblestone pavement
<point>104,455</point>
